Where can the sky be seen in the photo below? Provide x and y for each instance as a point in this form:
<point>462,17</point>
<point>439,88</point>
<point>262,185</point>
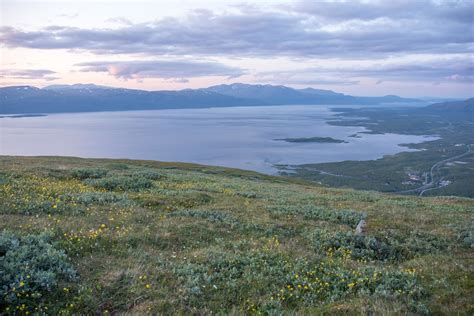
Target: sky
<point>413,48</point>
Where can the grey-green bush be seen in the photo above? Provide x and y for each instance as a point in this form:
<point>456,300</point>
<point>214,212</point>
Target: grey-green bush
<point>380,248</point>
<point>121,183</point>
<point>88,173</point>
<point>31,269</point>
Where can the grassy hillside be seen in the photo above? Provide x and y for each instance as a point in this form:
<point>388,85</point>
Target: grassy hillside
<point>142,237</point>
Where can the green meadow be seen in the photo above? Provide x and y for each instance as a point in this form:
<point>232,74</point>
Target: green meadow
<point>96,236</point>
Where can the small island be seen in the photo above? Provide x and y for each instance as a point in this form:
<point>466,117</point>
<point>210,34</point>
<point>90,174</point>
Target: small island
<point>22,115</point>
<point>312,140</point>
<point>356,135</point>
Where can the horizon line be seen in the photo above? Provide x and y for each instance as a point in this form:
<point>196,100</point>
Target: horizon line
<point>235,83</point>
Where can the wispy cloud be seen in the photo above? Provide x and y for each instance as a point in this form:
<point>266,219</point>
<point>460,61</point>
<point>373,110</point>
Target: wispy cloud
<point>120,20</point>
<point>178,70</point>
<point>457,11</point>
<point>309,77</point>
<point>29,74</point>
<point>68,16</point>
<point>437,70</point>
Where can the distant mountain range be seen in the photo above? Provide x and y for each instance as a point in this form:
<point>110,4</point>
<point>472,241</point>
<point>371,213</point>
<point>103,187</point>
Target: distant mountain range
<point>459,106</point>
<point>93,98</point>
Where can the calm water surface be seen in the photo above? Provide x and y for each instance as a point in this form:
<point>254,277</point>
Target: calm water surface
<point>241,137</point>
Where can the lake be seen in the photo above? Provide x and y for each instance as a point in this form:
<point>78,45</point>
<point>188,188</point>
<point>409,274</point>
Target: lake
<point>240,137</point>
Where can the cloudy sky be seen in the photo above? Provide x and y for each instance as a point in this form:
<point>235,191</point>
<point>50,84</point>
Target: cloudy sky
<point>406,47</point>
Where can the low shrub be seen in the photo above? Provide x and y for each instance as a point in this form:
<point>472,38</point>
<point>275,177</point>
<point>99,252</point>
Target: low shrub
<point>269,282</point>
<point>37,207</point>
<point>465,236</point>
<point>31,269</point>
<point>234,223</point>
<point>3,178</point>
<point>56,174</point>
<point>395,247</point>
<point>121,183</point>
<point>97,198</point>
<point>348,217</point>
<point>88,173</point>
<point>212,216</point>
<point>248,195</point>
<point>118,166</point>
<point>148,174</point>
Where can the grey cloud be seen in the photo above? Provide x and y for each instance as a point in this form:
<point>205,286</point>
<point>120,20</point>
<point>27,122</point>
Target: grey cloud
<point>309,77</point>
<point>30,74</point>
<point>319,81</point>
<point>180,80</point>
<point>353,30</point>
<point>460,11</point>
<point>178,70</point>
<point>440,70</point>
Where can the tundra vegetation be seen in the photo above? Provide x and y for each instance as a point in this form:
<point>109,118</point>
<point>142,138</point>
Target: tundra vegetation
<point>107,236</point>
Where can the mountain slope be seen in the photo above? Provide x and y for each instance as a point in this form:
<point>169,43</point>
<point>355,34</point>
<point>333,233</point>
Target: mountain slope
<point>89,98</point>
<point>279,95</point>
<point>144,237</point>
<point>86,99</point>
<point>462,106</point>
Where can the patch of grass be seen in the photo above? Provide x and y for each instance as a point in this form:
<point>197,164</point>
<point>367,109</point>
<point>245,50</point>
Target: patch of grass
<point>121,183</point>
<point>266,282</point>
<point>348,217</point>
<point>97,198</point>
<point>218,217</point>
<point>148,174</point>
